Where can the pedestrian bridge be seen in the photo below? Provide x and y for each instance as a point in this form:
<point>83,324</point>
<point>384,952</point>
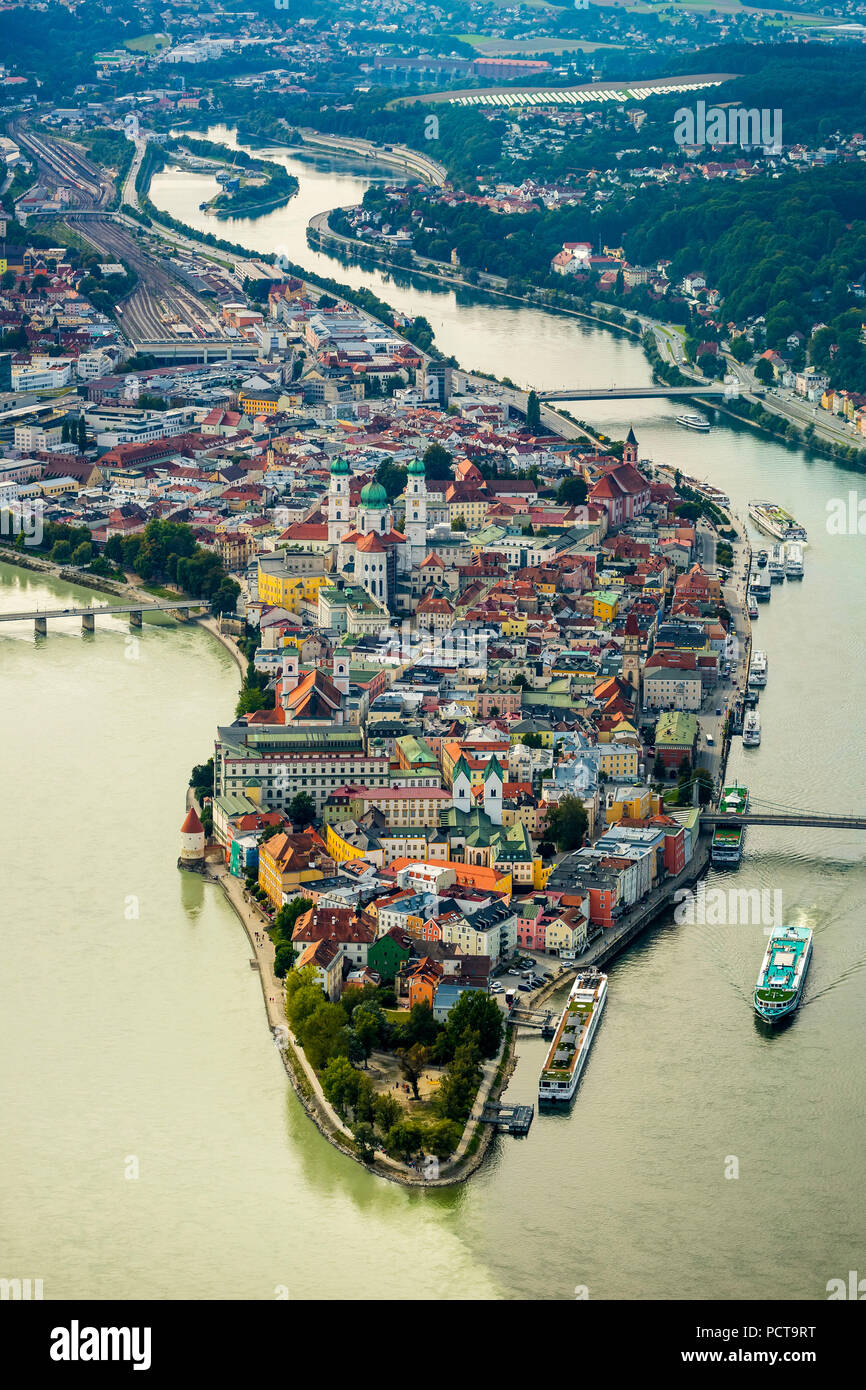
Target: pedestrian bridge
<point>817,819</point>
<point>182,610</point>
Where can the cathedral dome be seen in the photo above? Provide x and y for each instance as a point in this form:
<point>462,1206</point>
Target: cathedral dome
<point>416,467</point>
<point>374,496</point>
<point>339,466</point>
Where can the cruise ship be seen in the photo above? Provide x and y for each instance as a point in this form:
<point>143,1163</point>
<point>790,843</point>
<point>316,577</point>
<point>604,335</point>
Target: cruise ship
<point>794,561</point>
<point>693,422</point>
<point>570,1047</point>
<point>758,671</point>
<point>753,605</point>
<point>775,521</point>
<point>726,850</point>
<point>783,973</point>
<point>777,564</point>
<point>752,729</point>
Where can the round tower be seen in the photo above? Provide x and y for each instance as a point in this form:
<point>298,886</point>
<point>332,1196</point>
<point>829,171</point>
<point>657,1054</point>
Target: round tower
<point>191,839</point>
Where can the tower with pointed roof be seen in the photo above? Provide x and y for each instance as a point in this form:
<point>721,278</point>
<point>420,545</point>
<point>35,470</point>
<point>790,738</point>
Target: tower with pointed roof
<point>191,839</point>
<point>629,448</point>
<point>493,781</point>
<point>415,526</point>
<point>461,786</point>
<point>339,519</point>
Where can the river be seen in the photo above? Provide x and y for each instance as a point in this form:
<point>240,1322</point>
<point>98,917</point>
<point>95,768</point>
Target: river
<point>146,1036</point>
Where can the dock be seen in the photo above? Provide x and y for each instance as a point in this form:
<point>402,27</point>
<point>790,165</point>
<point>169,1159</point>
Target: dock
<point>508,1119</point>
<point>543,1019</point>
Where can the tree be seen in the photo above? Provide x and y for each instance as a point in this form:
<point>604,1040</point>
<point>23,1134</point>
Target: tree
<point>412,1063</point>
<point>201,778</point>
<point>323,1034</point>
<point>459,1085</point>
<point>392,478</point>
<point>437,461</point>
<point>340,1084</point>
<point>284,959</point>
<point>365,1140</point>
<point>478,1015</point>
<point>741,348</point>
<point>404,1139</point>
<point>285,920</point>
<point>61,552</point>
<point>250,700</point>
<point>82,434</point>
<point>442,1138</point>
<point>571,492</point>
<point>419,1027</point>
<point>458,524</point>
<point>82,554</point>
<point>566,823</point>
<point>367,1029</point>
<point>387,1111</point>
<point>763,371</point>
<point>301,808</point>
<point>533,413</point>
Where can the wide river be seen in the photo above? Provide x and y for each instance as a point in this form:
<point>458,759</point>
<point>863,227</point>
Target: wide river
<point>133,1029</point>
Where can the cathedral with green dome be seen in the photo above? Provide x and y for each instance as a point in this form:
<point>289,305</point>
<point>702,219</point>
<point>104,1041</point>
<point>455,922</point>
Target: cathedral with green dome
<point>369,550</point>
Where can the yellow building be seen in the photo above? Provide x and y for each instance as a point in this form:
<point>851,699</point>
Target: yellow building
<point>472,510</point>
<point>259,402</point>
<point>617,761</point>
<point>291,591</point>
<point>282,869</point>
<point>605,603</point>
<point>635,804</point>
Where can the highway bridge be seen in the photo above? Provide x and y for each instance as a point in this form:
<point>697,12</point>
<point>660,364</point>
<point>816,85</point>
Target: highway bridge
<point>646,393</point>
<point>182,610</point>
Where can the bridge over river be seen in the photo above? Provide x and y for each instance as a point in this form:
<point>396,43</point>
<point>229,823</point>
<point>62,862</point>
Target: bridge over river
<point>647,393</point>
<point>817,819</point>
<point>182,610</point>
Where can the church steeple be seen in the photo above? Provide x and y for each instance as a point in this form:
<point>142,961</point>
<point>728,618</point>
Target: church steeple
<point>629,448</point>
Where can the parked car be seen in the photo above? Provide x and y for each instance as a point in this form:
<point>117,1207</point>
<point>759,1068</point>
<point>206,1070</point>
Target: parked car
<point>527,989</point>
<point>496,987</point>
<point>718,711</point>
<point>548,975</point>
<point>515,972</point>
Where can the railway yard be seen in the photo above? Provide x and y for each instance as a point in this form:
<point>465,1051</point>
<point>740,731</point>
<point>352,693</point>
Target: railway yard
<point>88,188</point>
<point>163,305</point>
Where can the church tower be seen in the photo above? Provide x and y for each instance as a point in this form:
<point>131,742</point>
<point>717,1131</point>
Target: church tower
<point>629,448</point>
<point>461,786</point>
<point>493,780</point>
<point>415,525</point>
<point>631,654</point>
<point>339,521</point>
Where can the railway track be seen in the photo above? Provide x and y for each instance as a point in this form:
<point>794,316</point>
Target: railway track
<point>159,301</point>
<point>89,188</point>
